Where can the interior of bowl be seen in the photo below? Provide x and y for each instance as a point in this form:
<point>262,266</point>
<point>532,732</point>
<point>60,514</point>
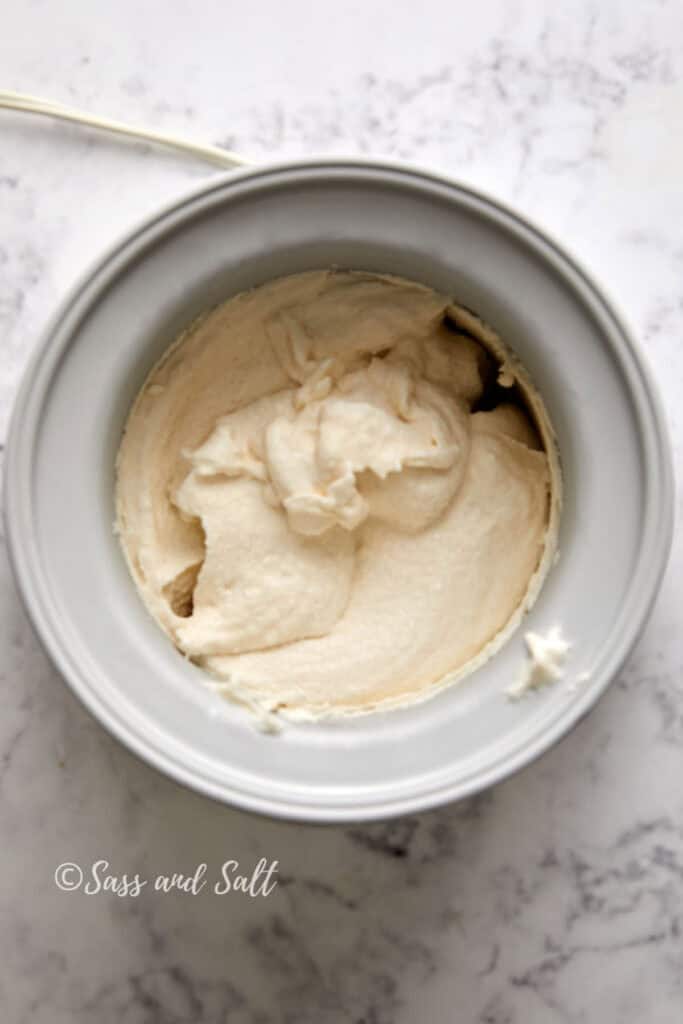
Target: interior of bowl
<point>238,233</point>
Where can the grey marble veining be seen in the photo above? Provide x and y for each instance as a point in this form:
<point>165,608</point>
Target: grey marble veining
<point>556,897</point>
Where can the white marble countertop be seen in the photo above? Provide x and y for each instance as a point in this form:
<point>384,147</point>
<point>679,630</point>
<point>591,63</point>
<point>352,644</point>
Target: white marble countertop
<point>556,897</point>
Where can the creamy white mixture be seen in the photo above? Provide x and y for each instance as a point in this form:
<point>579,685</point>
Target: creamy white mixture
<point>314,509</point>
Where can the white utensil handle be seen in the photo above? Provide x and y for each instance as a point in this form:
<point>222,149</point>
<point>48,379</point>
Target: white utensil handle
<point>36,105</point>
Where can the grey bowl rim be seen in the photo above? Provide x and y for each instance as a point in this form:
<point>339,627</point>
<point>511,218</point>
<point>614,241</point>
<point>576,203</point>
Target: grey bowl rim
<point>25,564</point>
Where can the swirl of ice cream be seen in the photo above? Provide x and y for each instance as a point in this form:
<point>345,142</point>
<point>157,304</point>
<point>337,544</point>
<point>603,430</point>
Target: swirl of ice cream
<point>311,504</point>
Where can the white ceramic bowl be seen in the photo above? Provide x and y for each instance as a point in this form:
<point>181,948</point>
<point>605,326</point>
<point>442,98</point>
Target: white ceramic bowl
<point>240,231</point>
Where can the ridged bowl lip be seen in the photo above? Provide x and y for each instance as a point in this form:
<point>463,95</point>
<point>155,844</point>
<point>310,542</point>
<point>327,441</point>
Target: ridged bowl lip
<point>657,529</point>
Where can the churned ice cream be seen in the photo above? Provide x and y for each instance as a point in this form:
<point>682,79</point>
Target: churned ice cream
<point>337,492</point>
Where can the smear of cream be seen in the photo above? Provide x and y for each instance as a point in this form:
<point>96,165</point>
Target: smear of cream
<point>545,661</point>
